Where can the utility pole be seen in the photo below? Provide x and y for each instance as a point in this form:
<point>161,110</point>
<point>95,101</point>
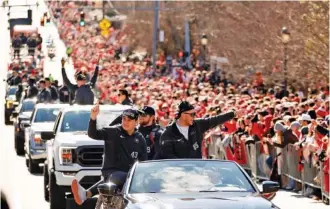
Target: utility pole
<point>103,8</point>
<point>155,33</point>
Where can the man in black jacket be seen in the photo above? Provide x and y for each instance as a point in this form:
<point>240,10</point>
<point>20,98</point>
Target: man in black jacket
<point>15,79</point>
<point>123,145</point>
<point>183,138</point>
<point>150,130</point>
<point>32,90</point>
<point>52,89</point>
<point>123,97</point>
<point>44,94</point>
<point>82,90</point>
<point>64,94</point>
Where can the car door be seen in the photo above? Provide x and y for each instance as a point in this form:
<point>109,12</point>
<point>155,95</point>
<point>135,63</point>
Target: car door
<point>49,143</point>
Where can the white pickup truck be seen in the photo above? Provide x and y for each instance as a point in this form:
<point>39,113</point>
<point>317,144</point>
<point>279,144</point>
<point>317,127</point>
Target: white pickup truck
<point>71,154</point>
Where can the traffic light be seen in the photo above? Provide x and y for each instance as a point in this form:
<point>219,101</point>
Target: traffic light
<point>82,19</point>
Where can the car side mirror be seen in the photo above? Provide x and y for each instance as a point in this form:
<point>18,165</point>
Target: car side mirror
<point>26,125</point>
<point>15,114</point>
<point>47,135</point>
<point>269,189</point>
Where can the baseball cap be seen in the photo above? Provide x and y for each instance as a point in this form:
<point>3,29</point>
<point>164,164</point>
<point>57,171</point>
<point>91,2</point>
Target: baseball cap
<point>131,113</point>
<point>81,77</point>
<point>147,110</point>
<point>305,117</point>
<point>183,107</point>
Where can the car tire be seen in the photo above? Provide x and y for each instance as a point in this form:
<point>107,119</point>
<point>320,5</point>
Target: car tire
<point>7,120</point>
<point>33,166</point>
<point>19,146</point>
<point>46,182</point>
<point>56,195</point>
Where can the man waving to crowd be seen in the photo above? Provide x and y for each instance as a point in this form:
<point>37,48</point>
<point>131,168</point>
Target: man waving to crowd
<point>183,138</point>
<point>82,90</point>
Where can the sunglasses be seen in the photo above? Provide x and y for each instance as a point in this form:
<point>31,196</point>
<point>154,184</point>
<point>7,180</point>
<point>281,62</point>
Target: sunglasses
<point>193,114</point>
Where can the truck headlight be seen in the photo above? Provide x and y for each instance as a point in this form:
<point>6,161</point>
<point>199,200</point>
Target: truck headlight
<point>37,139</point>
<point>66,155</point>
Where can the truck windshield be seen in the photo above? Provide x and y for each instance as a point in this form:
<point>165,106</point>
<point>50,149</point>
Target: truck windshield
<point>28,106</point>
<point>76,121</point>
<point>46,115</point>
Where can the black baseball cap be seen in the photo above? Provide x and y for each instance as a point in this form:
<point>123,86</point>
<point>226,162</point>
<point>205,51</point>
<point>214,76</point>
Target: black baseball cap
<point>81,77</point>
<point>133,114</point>
<point>183,107</point>
<point>147,110</point>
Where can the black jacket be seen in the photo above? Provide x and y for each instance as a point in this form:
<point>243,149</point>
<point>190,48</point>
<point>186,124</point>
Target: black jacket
<point>64,94</point>
<point>152,136</point>
<point>53,93</point>
<point>74,87</point>
<point>32,91</point>
<point>44,96</point>
<point>174,145</point>
<point>84,95</point>
<point>127,101</point>
<point>14,80</point>
<point>120,149</point>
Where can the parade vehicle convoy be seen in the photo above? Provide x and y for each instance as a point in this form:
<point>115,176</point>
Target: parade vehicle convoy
<point>42,119</point>
<point>22,116</point>
<point>71,154</point>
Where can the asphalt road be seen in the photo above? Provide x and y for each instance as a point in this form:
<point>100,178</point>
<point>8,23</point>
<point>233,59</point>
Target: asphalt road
<point>24,190</point>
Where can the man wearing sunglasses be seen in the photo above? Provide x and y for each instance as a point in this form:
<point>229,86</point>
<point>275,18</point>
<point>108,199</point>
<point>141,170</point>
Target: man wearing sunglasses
<point>183,138</point>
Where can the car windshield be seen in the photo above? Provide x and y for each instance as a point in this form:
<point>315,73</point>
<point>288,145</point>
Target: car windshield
<point>28,106</point>
<point>184,176</point>
<point>12,91</point>
<point>76,121</point>
<point>46,115</point>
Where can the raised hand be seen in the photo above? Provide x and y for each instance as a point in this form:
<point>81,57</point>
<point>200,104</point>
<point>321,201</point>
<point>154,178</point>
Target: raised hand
<point>95,110</point>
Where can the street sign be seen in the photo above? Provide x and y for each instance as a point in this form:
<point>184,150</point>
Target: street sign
<point>161,36</point>
<point>104,24</point>
<point>105,33</point>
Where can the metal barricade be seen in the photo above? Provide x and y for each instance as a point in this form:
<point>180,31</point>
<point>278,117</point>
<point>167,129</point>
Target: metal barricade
<point>252,158</point>
<point>309,173</point>
<point>246,166</point>
<point>212,148</point>
<point>262,171</point>
<point>325,194</point>
<point>291,159</point>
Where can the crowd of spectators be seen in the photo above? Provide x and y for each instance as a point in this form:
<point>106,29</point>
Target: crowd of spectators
<point>269,110</point>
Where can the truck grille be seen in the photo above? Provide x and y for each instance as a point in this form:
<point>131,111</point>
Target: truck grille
<point>90,156</point>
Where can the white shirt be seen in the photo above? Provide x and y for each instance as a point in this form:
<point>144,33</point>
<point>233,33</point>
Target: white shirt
<point>183,130</point>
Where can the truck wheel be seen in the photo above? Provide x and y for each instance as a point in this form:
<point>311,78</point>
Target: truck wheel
<point>56,195</point>
<point>46,182</point>
<point>7,120</point>
<point>19,146</point>
<point>33,167</point>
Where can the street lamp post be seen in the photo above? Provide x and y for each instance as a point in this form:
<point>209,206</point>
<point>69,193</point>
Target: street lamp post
<point>285,39</point>
<point>204,42</point>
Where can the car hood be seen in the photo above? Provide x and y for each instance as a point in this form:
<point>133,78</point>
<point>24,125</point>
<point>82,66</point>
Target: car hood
<point>38,127</point>
<point>76,139</point>
<point>25,115</point>
<point>228,200</point>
